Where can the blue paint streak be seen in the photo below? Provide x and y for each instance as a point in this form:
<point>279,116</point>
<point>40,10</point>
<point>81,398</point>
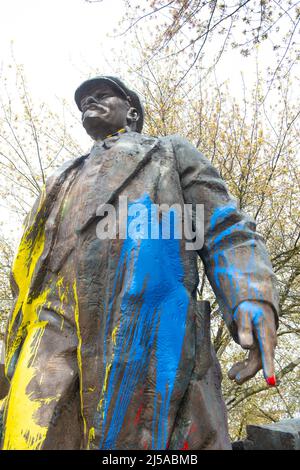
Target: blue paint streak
<point>153,315</point>
<point>230,271</point>
<point>222,213</point>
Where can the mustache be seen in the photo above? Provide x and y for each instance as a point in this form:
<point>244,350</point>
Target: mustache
<point>92,106</point>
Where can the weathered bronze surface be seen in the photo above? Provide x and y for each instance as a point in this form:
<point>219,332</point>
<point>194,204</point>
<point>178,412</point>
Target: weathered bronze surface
<point>107,346</point>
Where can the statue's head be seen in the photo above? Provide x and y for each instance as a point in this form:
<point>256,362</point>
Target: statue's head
<point>107,105</point>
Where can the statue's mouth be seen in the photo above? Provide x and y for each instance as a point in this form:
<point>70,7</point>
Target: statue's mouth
<point>91,106</point>
<point>94,111</point>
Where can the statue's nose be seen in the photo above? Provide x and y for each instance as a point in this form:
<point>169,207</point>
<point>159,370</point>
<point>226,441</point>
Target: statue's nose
<point>87,101</point>
<point>91,99</point>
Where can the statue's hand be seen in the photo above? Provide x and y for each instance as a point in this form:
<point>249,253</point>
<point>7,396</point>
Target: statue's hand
<point>257,332</point>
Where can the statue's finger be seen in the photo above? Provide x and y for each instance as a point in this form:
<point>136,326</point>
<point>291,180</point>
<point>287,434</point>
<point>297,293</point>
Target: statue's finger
<point>266,336</point>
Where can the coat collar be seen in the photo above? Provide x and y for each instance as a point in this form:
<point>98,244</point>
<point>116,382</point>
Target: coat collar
<point>117,176</point>
<point>111,139</point>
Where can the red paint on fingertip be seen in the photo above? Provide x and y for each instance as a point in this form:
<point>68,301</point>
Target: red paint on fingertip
<point>271,381</point>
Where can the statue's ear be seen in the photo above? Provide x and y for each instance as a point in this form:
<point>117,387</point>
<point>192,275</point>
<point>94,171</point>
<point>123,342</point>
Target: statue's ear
<point>132,115</point>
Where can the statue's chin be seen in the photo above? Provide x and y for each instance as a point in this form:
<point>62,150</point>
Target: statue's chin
<point>92,123</point>
<point>96,126</point>
<point>91,117</point>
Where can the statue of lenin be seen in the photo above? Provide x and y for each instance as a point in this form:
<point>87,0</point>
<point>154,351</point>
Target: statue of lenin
<point>107,346</point>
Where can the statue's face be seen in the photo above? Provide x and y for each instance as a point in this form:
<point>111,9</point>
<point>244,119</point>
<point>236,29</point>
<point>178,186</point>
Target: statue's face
<point>104,111</point>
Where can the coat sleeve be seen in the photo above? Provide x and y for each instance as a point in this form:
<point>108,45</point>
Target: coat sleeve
<point>235,257</point>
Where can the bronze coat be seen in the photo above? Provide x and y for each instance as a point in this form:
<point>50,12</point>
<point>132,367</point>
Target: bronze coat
<point>120,342</point>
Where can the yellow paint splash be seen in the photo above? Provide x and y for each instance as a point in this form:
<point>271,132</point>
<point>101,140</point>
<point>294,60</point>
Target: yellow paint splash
<point>63,295</point>
<point>107,371</point>
<point>79,359</point>
<point>114,335</point>
<point>63,290</point>
<point>91,437</point>
<point>21,429</point>
<point>29,252</point>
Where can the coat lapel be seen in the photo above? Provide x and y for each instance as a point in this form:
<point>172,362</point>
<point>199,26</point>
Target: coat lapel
<point>120,165</point>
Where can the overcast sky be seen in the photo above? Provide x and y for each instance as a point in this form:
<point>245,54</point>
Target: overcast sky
<point>57,41</point>
<point>60,42</point>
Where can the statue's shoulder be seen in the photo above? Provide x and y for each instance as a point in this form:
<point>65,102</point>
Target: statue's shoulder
<point>182,148</point>
<point>145,139</point>
<point>141,139</point>
<point>173,143</point>
<point>173,139</point>
<point>178,141</point>
<point>185,152</point>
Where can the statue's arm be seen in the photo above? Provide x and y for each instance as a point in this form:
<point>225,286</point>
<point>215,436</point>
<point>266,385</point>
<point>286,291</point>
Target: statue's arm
<point>235,257</point>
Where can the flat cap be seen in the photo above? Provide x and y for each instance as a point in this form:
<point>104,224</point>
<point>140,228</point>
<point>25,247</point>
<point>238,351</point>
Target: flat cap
<point>120,87</point>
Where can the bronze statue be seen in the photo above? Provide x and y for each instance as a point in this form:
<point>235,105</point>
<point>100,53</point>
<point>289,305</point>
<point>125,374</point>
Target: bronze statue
<point>107,346</point>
